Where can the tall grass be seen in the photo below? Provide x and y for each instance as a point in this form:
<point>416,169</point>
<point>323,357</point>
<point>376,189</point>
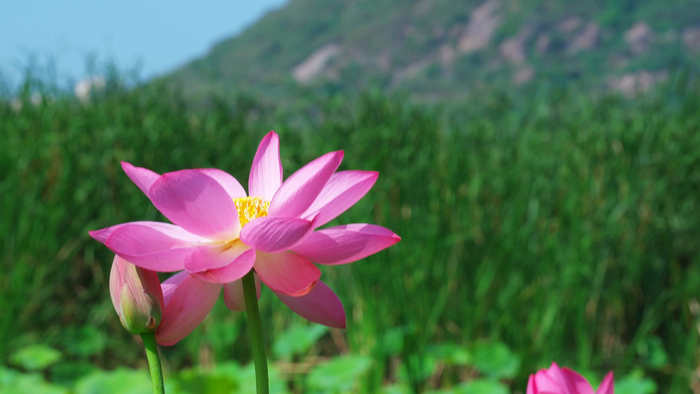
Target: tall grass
<point>566,227</point>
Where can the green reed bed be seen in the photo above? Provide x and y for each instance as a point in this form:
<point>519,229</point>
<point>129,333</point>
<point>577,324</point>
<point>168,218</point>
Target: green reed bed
<point>566,228</point>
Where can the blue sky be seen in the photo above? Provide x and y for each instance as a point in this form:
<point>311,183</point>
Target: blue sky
<point>158,35</point>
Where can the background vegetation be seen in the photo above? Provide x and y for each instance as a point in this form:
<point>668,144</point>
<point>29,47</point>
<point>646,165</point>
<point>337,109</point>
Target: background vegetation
<point>417,46</point>
<point>557,228</point>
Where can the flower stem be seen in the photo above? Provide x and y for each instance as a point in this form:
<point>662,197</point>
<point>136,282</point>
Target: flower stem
<point>149,341</point>
<point>256,338</point>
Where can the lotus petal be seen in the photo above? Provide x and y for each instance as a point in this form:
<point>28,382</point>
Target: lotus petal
<point>188,301</point>
<point>345,244</point>
<point>266,172</point>
<point>300,190</point>
<point>286,273</point>
<point>197,203</point>
<point>320,305</point>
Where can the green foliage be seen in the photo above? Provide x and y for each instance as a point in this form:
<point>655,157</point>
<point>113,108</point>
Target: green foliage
<point>562,228</point>
<point>84,341</point>
<point>635,383</point>
<point>67,373</point>
<point>496,361</point>
<point>452,354</point>
<point>476,386</point>
<point>247,381</point>
<point>297,340</point>
<point>651,350</point>
<point>407,42</point>
<point>340,375</point>
<point>35,357</point>
<point>221,381</point>
<point>482,386</point>
<point>395,389</point>
<point>13,382</point>
<point>119,381</point>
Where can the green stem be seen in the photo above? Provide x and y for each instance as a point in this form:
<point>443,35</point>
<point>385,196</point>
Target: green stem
<point>149,341</point>
<point>256,338</point>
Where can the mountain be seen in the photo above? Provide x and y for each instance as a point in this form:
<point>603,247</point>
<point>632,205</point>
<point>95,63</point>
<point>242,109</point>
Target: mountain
<point>442,49</point>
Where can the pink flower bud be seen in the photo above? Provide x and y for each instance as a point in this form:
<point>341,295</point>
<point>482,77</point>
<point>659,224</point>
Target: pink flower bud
<point>136,295</point>
<point>555,380</point>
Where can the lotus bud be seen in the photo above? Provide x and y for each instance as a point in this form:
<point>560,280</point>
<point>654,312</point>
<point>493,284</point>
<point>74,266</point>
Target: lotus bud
<point>555,380</point>
<point>136,295</point>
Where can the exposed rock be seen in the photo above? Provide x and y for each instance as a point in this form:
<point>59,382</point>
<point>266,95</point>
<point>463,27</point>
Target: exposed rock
<point>35,99</point>
<point>483,21</point>
<point>691,38</point>
<point>384,62</point>
<point>542,43</point>
<point>315,63</point>
<point>586,40</point>
<point>570,24</point>
<point>634,83</point>
<point>638,37</point>
<point>513,48</point>
<point>410,71</point>
<point>84,88</point>
<point>447,55</point>
<point>16,105</point>
<point>524,75</point>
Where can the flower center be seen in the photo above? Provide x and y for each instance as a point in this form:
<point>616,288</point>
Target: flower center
<point>250,208</point>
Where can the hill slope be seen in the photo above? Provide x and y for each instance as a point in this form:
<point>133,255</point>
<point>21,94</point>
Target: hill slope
<point>444,48</point>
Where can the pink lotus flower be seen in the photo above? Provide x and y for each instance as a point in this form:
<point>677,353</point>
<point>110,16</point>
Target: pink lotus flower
<point>557,380</point>
<point>219,234</point>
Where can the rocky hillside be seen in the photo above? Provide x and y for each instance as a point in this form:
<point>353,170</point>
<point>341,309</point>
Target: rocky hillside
<point>441,49</point>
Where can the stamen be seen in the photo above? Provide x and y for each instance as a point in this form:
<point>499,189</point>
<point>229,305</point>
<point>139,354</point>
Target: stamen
<point>250,208</point>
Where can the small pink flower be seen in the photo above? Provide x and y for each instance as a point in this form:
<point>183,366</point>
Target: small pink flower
<point>219,234</point>
<point>557,380</point>
<point>136,296</point>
